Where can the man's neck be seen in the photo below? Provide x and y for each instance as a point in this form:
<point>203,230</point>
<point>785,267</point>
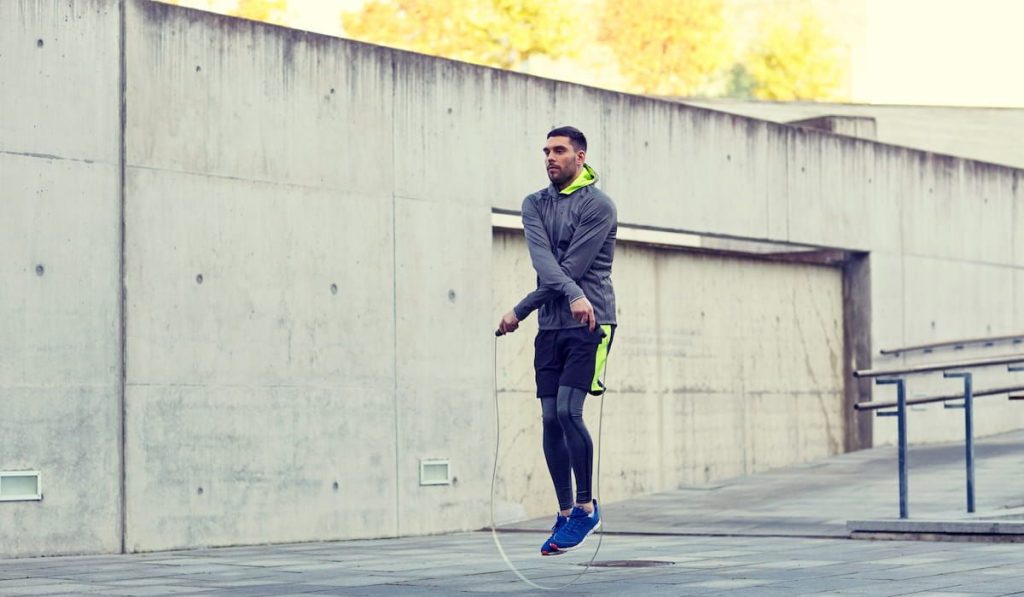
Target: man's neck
<point>571,179</point>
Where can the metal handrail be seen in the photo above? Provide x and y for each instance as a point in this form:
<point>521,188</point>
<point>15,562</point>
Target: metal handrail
<point>1016,338</point>
<point>930,399</point>
<point>950,370</point>
<point>985,362</point>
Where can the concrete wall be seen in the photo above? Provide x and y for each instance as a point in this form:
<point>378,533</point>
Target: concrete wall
<point>335,199</point>
<point>260,404</point>
<point>986,134</point>
<point>60,226</point>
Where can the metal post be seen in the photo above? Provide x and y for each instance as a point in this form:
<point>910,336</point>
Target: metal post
<point>901,429</point>
<point>968,432</point>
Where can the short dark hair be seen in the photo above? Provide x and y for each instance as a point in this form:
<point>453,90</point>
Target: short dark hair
<point>576,136</point>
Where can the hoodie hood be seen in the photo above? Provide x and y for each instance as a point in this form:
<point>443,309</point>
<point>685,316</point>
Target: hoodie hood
<point>587,176</point>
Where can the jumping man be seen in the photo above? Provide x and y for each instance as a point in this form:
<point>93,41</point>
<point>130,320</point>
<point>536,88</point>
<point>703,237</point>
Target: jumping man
<point>570,230</point>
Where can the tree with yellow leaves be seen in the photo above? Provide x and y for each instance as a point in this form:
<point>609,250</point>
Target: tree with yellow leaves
<point>667,47</point>
<point>501,33</point>
<point>795,59</point>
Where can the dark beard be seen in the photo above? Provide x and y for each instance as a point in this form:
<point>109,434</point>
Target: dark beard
<point>564,179</point>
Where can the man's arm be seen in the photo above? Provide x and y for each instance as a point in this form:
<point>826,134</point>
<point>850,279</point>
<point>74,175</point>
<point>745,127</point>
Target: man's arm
<point>533,301</point>
<point>596,222</point>
<point>549,272</point>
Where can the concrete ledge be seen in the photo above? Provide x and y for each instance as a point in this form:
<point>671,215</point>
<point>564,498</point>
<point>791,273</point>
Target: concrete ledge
<point>980,530</point>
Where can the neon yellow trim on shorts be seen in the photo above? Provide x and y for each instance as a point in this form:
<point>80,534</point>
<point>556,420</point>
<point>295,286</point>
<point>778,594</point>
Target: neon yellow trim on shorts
<point>597,386</point>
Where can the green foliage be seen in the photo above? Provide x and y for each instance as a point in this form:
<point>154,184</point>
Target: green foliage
<point>739,83</point>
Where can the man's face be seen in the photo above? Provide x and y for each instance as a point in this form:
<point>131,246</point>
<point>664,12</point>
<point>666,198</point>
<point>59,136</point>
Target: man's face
<point>562,161</point>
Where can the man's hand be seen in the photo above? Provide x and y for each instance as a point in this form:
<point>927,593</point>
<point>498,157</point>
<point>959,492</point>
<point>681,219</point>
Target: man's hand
<point>583,312</point>
<point>509,323</point>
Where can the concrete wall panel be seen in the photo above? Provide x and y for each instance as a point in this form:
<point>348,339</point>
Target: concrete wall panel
<point>938,291</point>
<point>1018,299</point>
<point>236,98</point>
<point>269,255</point>
<point>59,91</point>
<point>688,169</point>
<point>264,349</point>
<point>59,273</point>
<point>281,361</point>
<point>888,308</point>
<point>221,465</point>
<point>67,433</point>
<point>1017,193</point>
<point>958,214</point>
<point>980,133</point>
<point>888,187</point>
<point>827,197</point>
<point>443,342</point>
<point>58,310</point>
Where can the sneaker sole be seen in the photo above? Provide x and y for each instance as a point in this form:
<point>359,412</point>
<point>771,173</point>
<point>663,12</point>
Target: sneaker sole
<point>578,545</point>
<point>553,552</point>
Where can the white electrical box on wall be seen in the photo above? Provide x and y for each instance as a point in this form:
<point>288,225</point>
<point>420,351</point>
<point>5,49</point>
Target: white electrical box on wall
<point>16,486</point>
<point>435,471</point>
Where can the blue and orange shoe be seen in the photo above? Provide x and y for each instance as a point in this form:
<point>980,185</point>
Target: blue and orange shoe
<point>546,549</point>
<point>580,526</point>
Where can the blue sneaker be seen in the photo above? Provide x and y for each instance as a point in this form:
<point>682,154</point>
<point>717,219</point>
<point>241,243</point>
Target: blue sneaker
<point>546,549</point>
<point>576,531</point>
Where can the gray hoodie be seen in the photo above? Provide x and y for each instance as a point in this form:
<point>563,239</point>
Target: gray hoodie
<point>571,237</point>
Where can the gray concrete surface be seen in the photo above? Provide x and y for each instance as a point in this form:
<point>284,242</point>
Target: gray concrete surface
<point>60,279</point>
<point>771,534</point>
<point>979,133</point>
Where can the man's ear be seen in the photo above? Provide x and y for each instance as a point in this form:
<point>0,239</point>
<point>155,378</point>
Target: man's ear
<point>581,157</point>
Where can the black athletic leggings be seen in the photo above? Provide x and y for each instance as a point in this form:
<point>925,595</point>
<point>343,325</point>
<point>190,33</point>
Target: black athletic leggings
<point>568,448</point>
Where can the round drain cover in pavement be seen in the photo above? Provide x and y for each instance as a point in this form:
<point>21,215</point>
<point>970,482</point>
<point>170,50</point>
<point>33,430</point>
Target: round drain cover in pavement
<point>630,564</point>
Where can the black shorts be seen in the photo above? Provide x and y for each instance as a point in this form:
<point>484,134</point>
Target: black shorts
<point>569,358</point>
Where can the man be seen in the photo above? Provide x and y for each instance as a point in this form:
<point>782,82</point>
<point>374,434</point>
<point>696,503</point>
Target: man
<point>570,230</point>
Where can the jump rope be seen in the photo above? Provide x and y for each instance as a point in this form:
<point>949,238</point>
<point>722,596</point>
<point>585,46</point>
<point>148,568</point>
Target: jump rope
<point>494,475</point>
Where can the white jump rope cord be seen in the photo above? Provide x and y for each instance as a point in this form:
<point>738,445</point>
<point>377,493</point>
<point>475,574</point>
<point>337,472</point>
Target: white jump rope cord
<point>494,475</point>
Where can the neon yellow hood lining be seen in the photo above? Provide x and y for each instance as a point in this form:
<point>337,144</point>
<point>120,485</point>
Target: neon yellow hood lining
<point>587,177</point>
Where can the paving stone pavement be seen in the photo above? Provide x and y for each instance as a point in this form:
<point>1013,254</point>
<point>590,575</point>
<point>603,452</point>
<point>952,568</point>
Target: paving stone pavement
<point>773,534</point>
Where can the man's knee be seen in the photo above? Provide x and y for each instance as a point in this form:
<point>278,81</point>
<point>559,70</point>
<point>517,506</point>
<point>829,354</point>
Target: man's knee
<point>565,408</point>
<point>549,414</point>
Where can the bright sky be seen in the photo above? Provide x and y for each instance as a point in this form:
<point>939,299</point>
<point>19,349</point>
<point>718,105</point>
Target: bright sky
<point>954,52</point>
<point>944,52</point>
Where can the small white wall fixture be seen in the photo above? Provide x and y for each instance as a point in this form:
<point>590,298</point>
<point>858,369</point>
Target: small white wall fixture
<point>18,486</point>
<point>435,471</point>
